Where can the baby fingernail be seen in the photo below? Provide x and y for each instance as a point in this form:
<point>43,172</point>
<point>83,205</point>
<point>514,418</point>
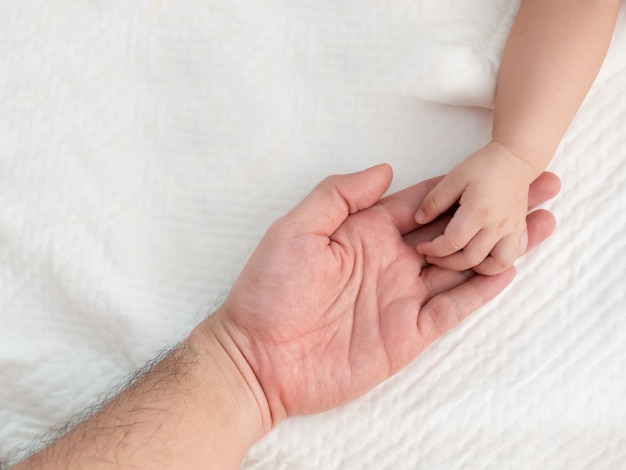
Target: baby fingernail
<point>523,242</point>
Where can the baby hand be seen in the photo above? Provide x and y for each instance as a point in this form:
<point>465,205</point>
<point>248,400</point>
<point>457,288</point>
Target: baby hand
<point>488,230</point>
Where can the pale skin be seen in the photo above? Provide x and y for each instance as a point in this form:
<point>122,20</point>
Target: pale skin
<point>552,56</point>
<point>334,300</point>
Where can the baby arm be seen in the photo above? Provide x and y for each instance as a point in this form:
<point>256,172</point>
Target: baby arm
<point>551,58</point>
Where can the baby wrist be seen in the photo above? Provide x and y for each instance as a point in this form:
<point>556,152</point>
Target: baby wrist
<point>530,169</point>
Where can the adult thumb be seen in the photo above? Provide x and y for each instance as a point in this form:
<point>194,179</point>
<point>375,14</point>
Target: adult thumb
<point>328,205</point>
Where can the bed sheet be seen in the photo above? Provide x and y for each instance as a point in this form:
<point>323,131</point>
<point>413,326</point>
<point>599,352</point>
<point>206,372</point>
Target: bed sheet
<point>145,147</point>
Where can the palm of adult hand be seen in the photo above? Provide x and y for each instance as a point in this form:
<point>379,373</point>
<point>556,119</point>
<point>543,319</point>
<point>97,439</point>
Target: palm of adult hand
<point>312,353</point>
<point>334,300</point>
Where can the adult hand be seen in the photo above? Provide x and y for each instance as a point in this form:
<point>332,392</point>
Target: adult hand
<point>336,299</point>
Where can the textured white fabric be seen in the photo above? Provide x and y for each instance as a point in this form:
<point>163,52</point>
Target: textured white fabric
<point>145,147</point>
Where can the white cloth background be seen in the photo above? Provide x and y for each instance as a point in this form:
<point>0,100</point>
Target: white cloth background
<point>145,147</point>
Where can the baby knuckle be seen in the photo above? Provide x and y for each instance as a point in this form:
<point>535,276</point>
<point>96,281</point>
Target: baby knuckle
<point>474,258</point>
<point>483,212</point>
<point>504,260</point>
<point>432,203</point>
<point>456,244</point>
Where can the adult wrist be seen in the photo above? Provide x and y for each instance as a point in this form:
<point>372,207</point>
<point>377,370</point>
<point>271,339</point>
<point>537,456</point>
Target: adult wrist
<point>221,358</point>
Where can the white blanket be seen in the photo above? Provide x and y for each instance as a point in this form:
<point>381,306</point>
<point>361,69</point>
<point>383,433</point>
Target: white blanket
<point>145,147</point>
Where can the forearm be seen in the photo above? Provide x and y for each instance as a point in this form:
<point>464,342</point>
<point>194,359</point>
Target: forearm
<point>553,54</point>
<point>192,410</point>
